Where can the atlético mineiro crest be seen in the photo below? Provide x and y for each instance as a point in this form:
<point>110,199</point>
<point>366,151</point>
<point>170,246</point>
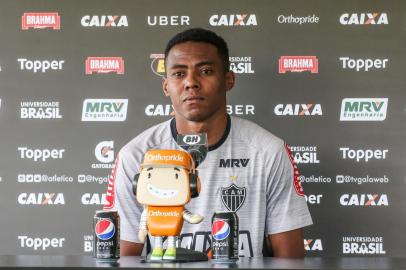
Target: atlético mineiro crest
<point>233,197</point>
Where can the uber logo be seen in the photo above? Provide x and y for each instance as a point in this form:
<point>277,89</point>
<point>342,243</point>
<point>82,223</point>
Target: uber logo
<point>168,20</point>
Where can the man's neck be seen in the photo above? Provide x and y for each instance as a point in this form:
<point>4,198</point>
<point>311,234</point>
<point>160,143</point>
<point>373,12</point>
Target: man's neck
<point>214,127</point>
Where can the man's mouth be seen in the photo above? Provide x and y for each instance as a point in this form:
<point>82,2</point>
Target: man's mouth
<point>193,99</point>
<point>162,193</point>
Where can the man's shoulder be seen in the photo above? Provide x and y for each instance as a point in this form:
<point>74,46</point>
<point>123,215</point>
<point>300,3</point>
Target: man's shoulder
<point>255,135</point>
<point>150,138</point>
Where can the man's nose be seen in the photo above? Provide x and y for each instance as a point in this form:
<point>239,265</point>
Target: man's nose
<point>191,82</point>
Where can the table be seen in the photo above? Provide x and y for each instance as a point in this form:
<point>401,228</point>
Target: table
<point>87,262</point>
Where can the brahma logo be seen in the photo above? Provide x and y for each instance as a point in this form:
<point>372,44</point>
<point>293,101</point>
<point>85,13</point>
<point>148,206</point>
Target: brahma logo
<point>241,65</point>
<point>94,199</point>
<point>41,199</point>
<point>313,245</point>
<point>40,20</point>
<point>298,109</point>
<point>158,63</point>
<point>40,110</point>
<point>363,245</point>
<point>363,109</point>
<point>104,65</point>
<point>104,110</point>
<point>104,152</point>
<point>298,64</point>
<point>233,20</point>
<point>304,154</point>
<point>168,20</point>
<point>104,21</point>
<point>364,18</point>
<point>364,200</point>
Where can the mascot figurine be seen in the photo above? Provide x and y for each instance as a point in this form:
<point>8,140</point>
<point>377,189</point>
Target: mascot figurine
<point>166,183</point>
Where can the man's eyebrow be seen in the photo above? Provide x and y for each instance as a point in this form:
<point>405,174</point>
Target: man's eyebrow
<point>176,169</point>
<point>149,169</point>
<point>203,63</point>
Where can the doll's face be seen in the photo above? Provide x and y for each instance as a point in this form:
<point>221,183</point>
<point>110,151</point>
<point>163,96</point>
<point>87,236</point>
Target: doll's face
<point>163,186</point>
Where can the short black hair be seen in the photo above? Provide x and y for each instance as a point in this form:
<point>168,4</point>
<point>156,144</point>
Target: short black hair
<point>201,35</point>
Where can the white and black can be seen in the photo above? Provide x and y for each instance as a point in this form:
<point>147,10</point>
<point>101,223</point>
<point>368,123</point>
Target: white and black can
<point>224,237</point>
<point>106,239</point>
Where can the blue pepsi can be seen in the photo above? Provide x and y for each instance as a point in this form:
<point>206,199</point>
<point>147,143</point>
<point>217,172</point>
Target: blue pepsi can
<point>224,234</point>
<point>106,238</point>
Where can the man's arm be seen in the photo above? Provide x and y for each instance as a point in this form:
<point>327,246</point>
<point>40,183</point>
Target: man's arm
<point>287,244</point>
<point>130,249</point>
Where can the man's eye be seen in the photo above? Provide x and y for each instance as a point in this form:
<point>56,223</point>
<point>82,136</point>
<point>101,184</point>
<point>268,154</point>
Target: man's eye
<point>149,175</point>
<point>177,74</point>
<point>176,176</point>
<point>207,71</point>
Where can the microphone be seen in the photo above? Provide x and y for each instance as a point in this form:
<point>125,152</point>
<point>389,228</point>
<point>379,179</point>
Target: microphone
<point>195,144</point>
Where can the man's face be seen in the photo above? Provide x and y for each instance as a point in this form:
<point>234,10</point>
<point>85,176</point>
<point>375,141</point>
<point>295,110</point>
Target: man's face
<point>196,81</point>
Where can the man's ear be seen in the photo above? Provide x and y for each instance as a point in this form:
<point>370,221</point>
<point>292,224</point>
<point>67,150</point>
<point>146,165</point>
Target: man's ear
<point>165,86</point>
<point>230,80</point>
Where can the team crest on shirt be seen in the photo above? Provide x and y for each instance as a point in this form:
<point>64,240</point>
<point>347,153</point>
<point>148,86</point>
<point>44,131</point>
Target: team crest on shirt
<point>233,197</point>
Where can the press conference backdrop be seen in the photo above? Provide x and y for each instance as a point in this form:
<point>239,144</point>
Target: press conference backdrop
<point>79,79</point>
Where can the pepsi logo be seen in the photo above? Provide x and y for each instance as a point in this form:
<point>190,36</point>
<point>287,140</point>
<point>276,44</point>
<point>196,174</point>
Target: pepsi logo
<point>220,230</point>
<point>105,229</point>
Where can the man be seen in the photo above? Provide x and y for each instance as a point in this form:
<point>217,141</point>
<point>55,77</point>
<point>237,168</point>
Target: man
<point>247,169</point>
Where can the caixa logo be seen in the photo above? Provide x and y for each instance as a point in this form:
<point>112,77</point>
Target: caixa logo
<point>298,109</point>
<point>40,20</point>
<point>364,18</point>
<point>104,21</point>
<point>41,199</point>
<point>38,243</point>
<point>233,20</point>
<point>364,200</point>
<point>313,245</point>
<point>94,199</point>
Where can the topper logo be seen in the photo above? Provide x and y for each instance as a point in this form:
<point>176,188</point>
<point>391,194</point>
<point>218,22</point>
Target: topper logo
<point>41,20</point>
<point>191,139</point>
<point>233,20</point>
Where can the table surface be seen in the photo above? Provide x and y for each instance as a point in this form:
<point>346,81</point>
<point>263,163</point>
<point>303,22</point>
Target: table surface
<point>87,262</point>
